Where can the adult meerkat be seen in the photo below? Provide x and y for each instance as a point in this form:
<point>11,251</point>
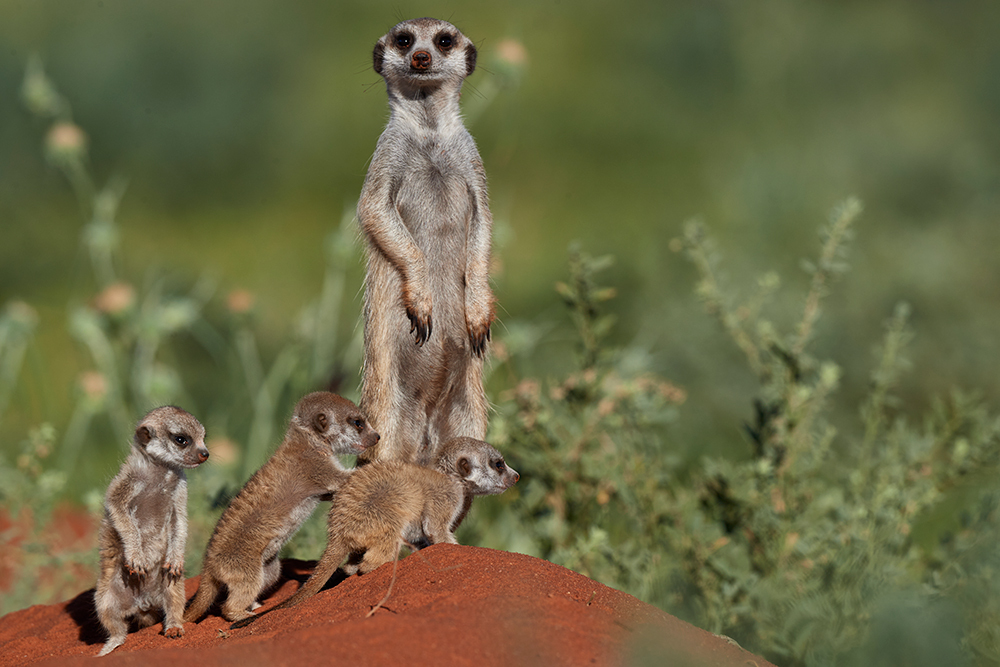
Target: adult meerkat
<point>144,527</point>
<point>425,216</point>
<point>388,503</point>
<point>242,554</point>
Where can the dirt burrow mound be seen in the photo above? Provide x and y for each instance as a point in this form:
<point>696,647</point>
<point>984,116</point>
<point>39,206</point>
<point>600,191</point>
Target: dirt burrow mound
<point>449,605</point>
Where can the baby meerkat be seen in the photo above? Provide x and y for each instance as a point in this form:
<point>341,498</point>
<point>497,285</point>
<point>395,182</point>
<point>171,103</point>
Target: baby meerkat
<point>144,528</point>
<point>426,219</point>
<point>388,503</point>
<point>242,554</point>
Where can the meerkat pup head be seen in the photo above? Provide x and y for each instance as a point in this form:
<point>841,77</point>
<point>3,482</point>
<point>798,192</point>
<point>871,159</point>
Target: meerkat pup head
<point>481,467</point>
<point>424,53</point>
<point>335,421</point>
<point>172,437</point>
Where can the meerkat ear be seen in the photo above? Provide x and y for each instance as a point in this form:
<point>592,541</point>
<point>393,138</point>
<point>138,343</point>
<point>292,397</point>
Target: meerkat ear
<point>470,59</point>
<point>143,435</point>
<point>464,467</point>
<point>378,57</point>
<point>320,422</point>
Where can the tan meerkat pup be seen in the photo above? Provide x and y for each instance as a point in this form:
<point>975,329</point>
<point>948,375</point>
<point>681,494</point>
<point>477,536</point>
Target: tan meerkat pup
<point>144,528</point>
<point>242,554</point>
<point>386,504</point>
<point>425,216</point>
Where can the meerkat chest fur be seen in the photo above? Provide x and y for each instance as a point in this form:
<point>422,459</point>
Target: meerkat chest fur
<point>433,198</point>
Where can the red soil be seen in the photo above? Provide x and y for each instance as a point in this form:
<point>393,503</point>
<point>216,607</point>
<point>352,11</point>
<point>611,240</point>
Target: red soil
<point>449,605</point>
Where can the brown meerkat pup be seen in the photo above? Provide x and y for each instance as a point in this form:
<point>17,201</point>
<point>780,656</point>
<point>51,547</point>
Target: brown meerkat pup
<point>425,216</point>
<point>388,503</point>
<point>242,554</point>
<point>144,528</point>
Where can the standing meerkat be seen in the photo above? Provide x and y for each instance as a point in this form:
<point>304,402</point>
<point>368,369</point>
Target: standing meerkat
<point>242,554</point>
<point>426,219</point>
<point>144,527</point>
<point>388,503</point>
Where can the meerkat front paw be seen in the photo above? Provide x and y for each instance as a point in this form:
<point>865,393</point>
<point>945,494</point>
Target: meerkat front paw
<point>418,309</point>
<point>479,336</point>
<point>173,573</point>
<point>135,571</point>
<point>478,319</point>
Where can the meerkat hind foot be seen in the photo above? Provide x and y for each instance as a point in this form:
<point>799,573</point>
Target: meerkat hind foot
<point>111,645</point>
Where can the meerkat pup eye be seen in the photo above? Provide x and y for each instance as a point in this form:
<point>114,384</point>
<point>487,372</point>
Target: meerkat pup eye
<point>181,440</point>
<point>403,40</point>
<point>359,424</point>
<point>444,41</point>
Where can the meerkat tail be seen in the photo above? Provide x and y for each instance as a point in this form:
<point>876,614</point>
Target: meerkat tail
<point>208,591</point>
<point>328,564</point>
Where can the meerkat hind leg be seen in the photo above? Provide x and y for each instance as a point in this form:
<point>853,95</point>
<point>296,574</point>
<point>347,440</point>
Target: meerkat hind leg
<point>379,554</point>
<point>173,621</point>
<point>242,599</point>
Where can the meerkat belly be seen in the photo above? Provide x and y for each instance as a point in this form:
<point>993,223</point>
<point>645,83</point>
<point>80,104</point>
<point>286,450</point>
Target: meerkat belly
<point>150,593</point>
<point>435,205</point>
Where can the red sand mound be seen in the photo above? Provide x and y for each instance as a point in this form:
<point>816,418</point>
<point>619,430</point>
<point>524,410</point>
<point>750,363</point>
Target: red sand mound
<point>449,605</point>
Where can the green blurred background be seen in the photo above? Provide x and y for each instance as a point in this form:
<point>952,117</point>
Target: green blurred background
<point>244,128</point>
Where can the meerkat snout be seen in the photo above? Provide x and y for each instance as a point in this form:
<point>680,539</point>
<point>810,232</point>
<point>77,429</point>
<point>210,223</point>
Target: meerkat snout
<point>420,60</point>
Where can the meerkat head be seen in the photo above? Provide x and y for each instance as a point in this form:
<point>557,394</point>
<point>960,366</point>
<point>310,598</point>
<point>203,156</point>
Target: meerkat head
<point>172,437</point>
<point>334,421</point>
<point>424,53</point>
<point>480,466</point>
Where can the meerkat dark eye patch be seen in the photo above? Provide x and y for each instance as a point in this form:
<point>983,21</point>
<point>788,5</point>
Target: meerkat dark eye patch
<point>358,423</point>
<point>499,465</point>
<point>403,40</point>
<point>181,440</point>
<point>444,41</point>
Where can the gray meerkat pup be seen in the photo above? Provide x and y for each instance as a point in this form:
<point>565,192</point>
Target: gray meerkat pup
<point>388,503</point>
<point>426,219</point>
<point>242,554</point>
<point>144,528</point>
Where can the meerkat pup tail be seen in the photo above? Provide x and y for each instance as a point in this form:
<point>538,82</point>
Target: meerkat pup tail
<point>208,591</point>
<point>332,557</point>
<point>144,528</point>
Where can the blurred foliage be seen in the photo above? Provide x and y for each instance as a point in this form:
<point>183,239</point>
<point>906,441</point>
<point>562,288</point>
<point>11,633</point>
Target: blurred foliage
<point>803,551</point>
<point>853,520</point>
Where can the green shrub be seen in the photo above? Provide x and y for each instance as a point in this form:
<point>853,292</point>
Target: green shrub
<point>806,550</point>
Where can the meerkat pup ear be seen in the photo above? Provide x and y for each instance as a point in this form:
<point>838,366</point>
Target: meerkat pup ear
<point>320,422</point>
<point>143,435</point>
<point>464,467</point>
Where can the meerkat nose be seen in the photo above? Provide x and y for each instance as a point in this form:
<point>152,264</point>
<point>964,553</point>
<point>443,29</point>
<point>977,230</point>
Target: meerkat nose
<point>420,60</point>
<point>202,455</point>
